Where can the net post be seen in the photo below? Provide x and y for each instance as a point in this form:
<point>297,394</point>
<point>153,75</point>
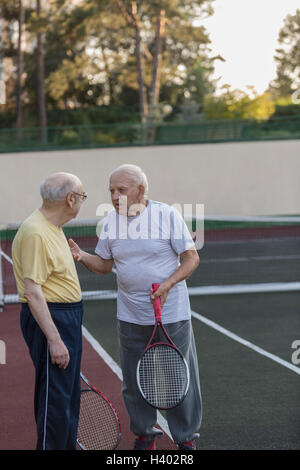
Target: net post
<point>1,282</point>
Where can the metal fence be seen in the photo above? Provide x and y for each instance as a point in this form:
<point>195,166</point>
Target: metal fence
<point>136,134</point>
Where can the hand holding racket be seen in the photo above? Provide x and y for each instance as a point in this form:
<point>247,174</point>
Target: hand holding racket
<point>99,426</point>
<point>162,292</point>
<point>162,372</point>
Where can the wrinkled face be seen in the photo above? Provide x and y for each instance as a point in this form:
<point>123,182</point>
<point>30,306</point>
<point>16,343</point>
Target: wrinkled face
<point>125,193</point>
<point>77,198</point>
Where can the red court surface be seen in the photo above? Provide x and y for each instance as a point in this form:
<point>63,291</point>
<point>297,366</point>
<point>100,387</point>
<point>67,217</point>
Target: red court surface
<point>17,430</point>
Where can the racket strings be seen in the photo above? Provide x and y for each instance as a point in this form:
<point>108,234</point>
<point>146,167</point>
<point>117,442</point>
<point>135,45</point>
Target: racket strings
<point>98,427</point>
<point>163,376</point>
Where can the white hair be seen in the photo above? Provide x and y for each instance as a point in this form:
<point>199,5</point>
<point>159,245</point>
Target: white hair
<point>136,173</point>
<point>57,186</point>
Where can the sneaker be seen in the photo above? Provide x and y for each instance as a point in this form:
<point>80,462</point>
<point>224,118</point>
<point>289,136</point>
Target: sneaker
<point>189,445</point>
<point>144,443</point>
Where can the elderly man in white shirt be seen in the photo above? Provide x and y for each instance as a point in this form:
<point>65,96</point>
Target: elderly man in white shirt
<point>145,240</point>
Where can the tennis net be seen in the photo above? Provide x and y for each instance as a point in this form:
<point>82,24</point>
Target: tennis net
<point>240,254</point>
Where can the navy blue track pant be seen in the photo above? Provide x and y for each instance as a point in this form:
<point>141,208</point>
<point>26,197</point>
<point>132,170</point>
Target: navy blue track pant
<point>57,391</point>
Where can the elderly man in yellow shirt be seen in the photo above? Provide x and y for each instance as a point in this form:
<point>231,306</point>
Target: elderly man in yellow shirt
<point>51,313</point>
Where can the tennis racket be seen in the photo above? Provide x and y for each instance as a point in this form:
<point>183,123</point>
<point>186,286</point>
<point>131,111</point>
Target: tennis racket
<point>162,372</point>
<point>99,425</point>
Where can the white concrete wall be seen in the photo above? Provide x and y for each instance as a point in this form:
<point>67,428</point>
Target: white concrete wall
<point>257,178</point>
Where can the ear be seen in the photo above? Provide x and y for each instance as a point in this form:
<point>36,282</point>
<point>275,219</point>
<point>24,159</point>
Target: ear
<point>141,190</point>
<point>70,199</point>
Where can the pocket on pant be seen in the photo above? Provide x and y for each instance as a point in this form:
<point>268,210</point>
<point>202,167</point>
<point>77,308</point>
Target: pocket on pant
<point>134,337</point>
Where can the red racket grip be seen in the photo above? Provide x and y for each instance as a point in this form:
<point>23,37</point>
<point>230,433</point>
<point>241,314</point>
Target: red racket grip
<point>157,303</point>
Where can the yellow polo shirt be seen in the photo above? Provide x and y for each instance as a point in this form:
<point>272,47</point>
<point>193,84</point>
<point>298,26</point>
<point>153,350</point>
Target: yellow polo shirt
<point>40,252</point>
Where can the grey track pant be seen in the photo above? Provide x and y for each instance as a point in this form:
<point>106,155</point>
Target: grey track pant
<point>185,419</point>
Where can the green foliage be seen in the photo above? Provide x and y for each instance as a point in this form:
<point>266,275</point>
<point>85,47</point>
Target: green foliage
<point>282,110</point>
<point>287,57</point>
<point>90,54</point>
<point>92,115</point>
<point>69,137</point>
<point>236,104</point>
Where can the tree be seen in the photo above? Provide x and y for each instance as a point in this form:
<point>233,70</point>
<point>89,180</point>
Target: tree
<point>85,55</point>
<point>237,104</point>
<point>132,16</point>
<point>124,52</point>
<point>10,51</point>
<point>40,71</point>
<point>159,37</point>
<point>20,65</point>
<point>170,41</point>
<point>129,51</point>
<point>287,58</point>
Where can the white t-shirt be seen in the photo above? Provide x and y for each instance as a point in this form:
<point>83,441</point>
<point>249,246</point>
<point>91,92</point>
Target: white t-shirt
<point>146,250</point>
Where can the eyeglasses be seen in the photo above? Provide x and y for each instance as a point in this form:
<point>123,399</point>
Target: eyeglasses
<point>82,196</point>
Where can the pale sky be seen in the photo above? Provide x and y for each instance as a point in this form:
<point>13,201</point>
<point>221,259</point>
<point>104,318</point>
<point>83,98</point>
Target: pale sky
<point>245,33</point>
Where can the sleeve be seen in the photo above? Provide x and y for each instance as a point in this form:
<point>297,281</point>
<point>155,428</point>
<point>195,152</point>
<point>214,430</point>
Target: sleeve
<point>181,239</point>
<point>103,246</point>
<point>35,261</point>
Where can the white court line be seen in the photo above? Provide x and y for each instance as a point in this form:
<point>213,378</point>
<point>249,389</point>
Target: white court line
<point>245,342</point>
<point>102,353</point>
<point>255,218</point>
<point>246,259</point>
<point>117,370</point>
<point>5,256</point>
<point>245,288</point>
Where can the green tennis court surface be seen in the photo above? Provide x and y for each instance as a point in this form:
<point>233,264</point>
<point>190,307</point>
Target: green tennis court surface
<point>250,387</point>
<point>249,401</point>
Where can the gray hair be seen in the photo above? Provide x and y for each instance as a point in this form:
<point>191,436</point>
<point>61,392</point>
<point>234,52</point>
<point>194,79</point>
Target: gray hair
<point>57,186</point>
<point>136,173</point>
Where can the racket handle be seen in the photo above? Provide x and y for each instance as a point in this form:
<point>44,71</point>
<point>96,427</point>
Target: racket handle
<point>157,303</point>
